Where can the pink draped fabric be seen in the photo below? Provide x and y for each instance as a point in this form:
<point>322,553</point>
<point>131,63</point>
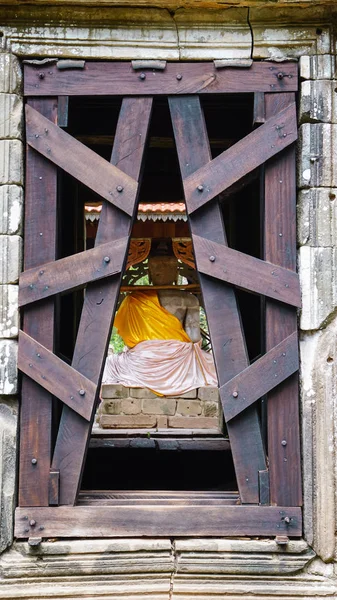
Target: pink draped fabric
<point>167,367</point>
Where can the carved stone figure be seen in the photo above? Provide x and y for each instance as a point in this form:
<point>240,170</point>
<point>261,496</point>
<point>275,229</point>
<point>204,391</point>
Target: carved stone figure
<point>162,333</point>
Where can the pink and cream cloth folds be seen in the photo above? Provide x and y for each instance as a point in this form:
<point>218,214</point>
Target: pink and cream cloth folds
<point>160,355</point>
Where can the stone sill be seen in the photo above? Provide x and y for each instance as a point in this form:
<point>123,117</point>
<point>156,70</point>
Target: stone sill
<point>127,556</point>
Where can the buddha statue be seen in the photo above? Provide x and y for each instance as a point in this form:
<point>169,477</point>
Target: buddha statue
<point>161,332</point>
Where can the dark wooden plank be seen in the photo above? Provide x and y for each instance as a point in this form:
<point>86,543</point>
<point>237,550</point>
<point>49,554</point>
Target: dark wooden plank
<point>109,78</point>
<point>281,320</point>
<point>161,521</point>
<point>264,487</point>
<point>100,300</point>
<point>54,375</point>
<point>73,271</point>
<point>80,162</point>
<point>38,322</point>
<point>254,149</point>
<point>259,111</point>
<point>54,488</point>
<point>62,111</point>
<point>246,272</point>
<point>260,378</point>
<point>223,317</point>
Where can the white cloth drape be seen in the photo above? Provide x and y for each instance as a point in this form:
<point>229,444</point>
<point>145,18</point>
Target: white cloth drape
<point>167,367</point>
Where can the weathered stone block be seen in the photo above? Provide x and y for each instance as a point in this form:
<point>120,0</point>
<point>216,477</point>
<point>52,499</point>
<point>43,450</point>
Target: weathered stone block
<point>211,409</point>
<point>110,407</point>
<point>127,422</point>
<point>224,33</point>
<point>191,394</point>
<point>9,315</point>
<point>317,217</point>
<point>113,390</point>
<point>8,436</point>
<point>208,393</point>
<point>10,261</point>
<point>11,116</point>
<point>193,423</point>
<point>11,209</point>
<point>159,406</point>
<point>131,406</point>
<point>8,367</point>
<point>189,407</point>
<point>11,161</point>
<point>162,422</point>
<point>142,393</point>
<point>10,74</point>
<point>318,102</point>
<point>317,269</point>
<point>318,67</point>
<point>318,167</point>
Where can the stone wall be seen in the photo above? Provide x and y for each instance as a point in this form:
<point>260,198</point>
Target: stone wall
<point>126,408</point>
<point>172,569</point>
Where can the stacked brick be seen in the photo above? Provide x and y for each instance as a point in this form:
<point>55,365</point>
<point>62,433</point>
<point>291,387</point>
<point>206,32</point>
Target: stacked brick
<point>125,408</point>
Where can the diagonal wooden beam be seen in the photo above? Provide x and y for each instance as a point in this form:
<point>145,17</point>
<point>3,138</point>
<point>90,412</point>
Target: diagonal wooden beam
<point>246,272</point>
<point>55,376</point>
<point>71,272</point>
<point>260,377</point>
<point>228,342</point>
<point>79,161</point>
<point>100,300</point>
<point>257,147</point>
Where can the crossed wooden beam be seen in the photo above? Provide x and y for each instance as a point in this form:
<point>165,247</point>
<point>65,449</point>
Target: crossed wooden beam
<point>240,384</point>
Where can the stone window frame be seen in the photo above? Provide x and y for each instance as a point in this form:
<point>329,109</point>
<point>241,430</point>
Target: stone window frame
<point>314,45</point>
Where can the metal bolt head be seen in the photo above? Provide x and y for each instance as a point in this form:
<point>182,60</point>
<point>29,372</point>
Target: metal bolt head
<point>41,76</point>
<point>81,393</point>
<point>36,135</point>
<point>200,188</point>
<point>287,520</point>
<point>107,259</point>
<point>280,75</point>
<point>34,461</point>
<point>235,394</point>
<point>32,523</point>
<point>179,76</point>
<point>41,272</point>
<point>212,258</point>
<point>284,442</point>
<point>142,76</point>
<point>31,287</point>
<point>119,188</point>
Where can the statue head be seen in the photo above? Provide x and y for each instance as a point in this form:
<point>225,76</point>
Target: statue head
<point>163,269</point>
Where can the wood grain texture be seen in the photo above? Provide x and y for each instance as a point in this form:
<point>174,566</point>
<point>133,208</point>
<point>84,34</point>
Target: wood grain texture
<point>246,272</point>
<point>260,378</point>
<point>79,161</point>
<point>73,271</point>
<point>158,521</point>
<point>254,149</point>
<point>100,300</point>
<point>54,488</point>
<point>259,111</point>
<point>109,78</point>
<point>38,321</point>
<point>223,317</point>
<point>54,375</point>
<point>281,321</point>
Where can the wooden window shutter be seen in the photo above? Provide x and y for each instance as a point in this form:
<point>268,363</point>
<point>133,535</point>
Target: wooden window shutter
<point>269,484</point>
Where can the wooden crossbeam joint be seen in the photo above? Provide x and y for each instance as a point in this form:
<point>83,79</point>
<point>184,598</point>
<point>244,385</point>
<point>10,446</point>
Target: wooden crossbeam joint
<point>79,161</point>
<point>260,378</point>
<point>58,378</point>
<point>256,148</point>
<point>72,272</point>
<point>247,272</point>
